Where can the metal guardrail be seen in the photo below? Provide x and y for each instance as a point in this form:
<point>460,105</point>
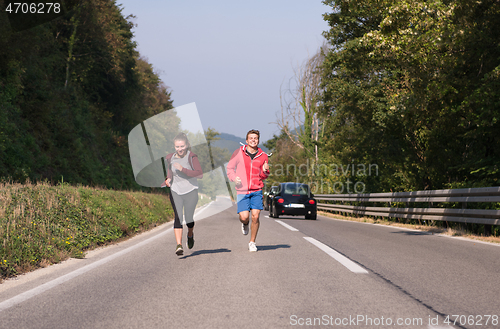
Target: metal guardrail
<point>476,216</point>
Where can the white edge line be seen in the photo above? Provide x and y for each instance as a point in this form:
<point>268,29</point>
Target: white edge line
<point>353,267</point>
<point>54,283</point>
<point>286,225</point>
<point>60,280</point>
<point>202,209</point>
<point>440,235</point>
<point>421,231</point>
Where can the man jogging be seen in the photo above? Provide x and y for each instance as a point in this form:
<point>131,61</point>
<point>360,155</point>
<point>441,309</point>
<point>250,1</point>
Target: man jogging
<point>248,168</point>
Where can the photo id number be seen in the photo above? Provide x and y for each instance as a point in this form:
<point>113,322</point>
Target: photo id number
<point>33,8</point>
<point>471,320</point>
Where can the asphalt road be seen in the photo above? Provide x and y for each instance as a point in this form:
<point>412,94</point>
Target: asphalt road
<point>325,273</point>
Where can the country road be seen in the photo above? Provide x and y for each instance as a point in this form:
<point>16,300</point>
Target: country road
<point>316,274</point>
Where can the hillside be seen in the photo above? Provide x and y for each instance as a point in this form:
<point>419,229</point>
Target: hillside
<point>232,142</point>
<point>42,224</point>
<point>71,89</point>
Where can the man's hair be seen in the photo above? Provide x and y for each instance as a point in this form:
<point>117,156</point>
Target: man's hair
<point>253,131</point>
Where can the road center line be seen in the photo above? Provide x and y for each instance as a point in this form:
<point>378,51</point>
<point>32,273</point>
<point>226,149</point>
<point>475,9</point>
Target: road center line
<point>353,267</point>
<point>286,225</point>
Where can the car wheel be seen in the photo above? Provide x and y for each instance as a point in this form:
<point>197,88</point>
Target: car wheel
<point>275,213</point>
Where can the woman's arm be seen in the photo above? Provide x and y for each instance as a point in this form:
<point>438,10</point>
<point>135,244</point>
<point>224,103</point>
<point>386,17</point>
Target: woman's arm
<point>231,166</point>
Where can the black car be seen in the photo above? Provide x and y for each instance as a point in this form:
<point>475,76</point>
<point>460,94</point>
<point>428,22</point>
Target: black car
<point>293,199</point>
<point>268,196</point>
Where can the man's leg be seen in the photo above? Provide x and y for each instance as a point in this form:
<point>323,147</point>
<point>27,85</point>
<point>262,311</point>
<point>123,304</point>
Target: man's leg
<point>255,224</point>
<point>244,217</point>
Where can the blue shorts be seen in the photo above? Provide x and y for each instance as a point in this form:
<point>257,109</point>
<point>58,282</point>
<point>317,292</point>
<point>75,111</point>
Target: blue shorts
<point>246,202</point>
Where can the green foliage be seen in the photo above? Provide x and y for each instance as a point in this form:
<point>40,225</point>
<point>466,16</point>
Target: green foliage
<point>285,159</point>
<point>44,224</point>
<point>213,182</point>
<point>409,89</point>
<point>70,91</point>
<point>413,88</point>
<point>219,156</point>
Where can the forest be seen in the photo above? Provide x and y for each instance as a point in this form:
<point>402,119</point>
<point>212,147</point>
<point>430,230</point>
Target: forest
<point>408,89</point>
<point>71,89</point>
<point>411,88</point>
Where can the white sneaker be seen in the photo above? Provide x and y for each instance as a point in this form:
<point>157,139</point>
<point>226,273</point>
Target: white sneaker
<point>252,246</point>
<point>244,229</point>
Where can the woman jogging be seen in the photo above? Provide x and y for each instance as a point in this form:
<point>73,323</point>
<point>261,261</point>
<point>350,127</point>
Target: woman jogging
<point>184,169</point>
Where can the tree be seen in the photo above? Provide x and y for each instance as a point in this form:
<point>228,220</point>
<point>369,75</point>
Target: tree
<point>299,118</point>
<point>70,90</point>
<point>401,81</point>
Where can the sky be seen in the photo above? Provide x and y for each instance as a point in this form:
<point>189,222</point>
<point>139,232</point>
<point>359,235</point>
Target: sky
<point>229,57</point>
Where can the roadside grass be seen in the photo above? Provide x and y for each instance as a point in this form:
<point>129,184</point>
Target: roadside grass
<point>427,228</point>
<point>203,199</point>
<point>43,224</point>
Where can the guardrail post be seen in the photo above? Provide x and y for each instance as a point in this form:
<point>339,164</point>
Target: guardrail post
<point>487,230</point>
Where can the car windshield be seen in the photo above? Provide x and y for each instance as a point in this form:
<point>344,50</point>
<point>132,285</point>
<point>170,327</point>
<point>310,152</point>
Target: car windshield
<point>296,189</point>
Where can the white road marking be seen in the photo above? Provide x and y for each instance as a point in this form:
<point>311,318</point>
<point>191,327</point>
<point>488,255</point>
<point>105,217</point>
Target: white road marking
<point>421,231</point>
<point>353,267</point>
<point>467,239</point>
<point>200,210</point>
<point>54,283</point>
<point>286,225</point>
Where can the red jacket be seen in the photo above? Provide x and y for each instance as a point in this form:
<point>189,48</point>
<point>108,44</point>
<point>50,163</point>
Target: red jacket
<point>250,171</point>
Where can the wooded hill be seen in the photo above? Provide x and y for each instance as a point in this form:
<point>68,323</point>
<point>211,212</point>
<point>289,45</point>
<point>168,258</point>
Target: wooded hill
<point>71,89</point>
<point>412,87</point>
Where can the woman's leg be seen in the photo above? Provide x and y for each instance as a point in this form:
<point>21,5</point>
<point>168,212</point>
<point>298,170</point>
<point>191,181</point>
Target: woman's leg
<point>190,201</point>
<point>178,235</point>
<point>177,204</point>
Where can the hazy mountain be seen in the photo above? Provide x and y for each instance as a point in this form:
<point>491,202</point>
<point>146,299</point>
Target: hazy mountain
<point>232,142</point>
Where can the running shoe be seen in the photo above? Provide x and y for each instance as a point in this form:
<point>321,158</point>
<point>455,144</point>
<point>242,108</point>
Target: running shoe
<point>190,241</point>
<point>252,246</point>
<point>179,251</point>
<point>244,228</point>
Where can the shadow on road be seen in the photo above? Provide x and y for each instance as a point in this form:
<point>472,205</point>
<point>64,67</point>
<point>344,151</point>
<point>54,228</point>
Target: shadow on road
<point>273,247</point>
<point>299,218</point>
<point>201,252</point>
